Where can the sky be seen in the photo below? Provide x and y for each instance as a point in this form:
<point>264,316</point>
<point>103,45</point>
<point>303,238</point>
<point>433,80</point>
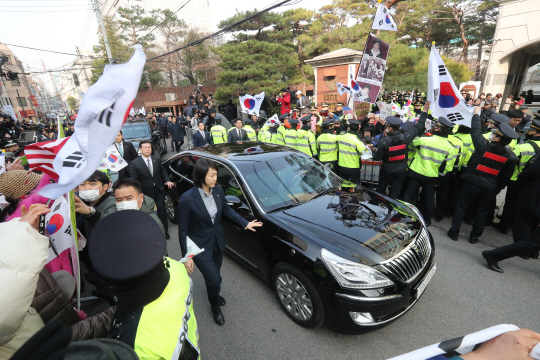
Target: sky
<point>60,25</point>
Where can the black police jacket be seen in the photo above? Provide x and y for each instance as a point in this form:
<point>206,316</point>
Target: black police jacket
<point>394,140</point>
<point>482,146</point>
<point>529,187</point>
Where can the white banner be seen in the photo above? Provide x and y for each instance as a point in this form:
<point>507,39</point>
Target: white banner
<point>59,230</point>
<point>101,116</point>
<point>385,109</point>
<point>9,110</point>
<point>251,104</point>
<point>113,159</point>
<point>446,100</point>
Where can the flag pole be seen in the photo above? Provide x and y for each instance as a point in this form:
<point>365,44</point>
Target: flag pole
<point>71,204</point>
<point>365,47</point>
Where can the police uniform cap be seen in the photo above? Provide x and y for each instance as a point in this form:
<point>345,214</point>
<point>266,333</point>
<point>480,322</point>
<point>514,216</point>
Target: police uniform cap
<point>407,126</point>
<point>313,108</point>
<point>247,120</point>
<point>418,103</point>
<point>535,124</point>
<point>305,118</point>
<point>294,121</point>
<point>339,104</point>
<point>328,122</point>
<point>444,122</point>
<point>324,104</point>
<point>500,118</point>
<point>394,121</point>
<point>125,245</point>
<point>506,131</point>
<point>354,122</point>
<point>10,143</point>
<point>283,117</point>
<point>523,107</point>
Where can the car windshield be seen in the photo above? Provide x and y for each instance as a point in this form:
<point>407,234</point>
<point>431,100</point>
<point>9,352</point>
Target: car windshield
<point>289,180</point>
<point>136,130</point>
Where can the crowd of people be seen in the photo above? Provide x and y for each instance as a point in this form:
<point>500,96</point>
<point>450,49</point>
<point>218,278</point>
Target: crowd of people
<point>446,170</point>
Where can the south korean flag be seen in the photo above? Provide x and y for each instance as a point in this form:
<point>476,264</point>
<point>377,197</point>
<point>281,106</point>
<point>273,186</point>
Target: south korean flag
<point>458,346</point>
<point>384,20</point>
<point>342,89</point>
<point>113,159</point>
<point>446,100</point>
<point>251,104</point>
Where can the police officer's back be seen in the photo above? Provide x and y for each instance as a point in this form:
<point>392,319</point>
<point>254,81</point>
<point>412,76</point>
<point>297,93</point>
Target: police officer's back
<point>305,142</point>
<point>392,150</point>
<point>327,144</point>
<point>489,170</point>
<point>350,150</point>
<point>218,132</point>
<point>291,134</point>
<point>153,294</point>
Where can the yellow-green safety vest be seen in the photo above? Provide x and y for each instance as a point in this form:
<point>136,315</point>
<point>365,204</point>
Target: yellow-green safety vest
<point>219,134</point>
<point>306,143</point>
<point>167,321</point>
<point>433,151</point>
<point>350,149</point>
<point>281,135</point>
<point>458,148</point>
<point>252,135</point>
<point>290,138</point>
<point>524,153</point>
<point>328,147</point>
<point>467,150</point>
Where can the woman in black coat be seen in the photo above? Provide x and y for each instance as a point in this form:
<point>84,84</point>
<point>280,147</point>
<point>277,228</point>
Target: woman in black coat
<point>199,217</point>
<point>176,132</point>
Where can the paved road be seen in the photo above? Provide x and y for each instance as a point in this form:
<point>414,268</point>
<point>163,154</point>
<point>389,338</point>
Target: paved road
<point>463,296</point>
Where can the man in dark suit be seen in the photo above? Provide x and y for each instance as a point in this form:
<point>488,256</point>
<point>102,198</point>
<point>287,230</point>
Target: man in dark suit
<point>127,151</point>
<point>237,134</point>
<point>148,171</point>
<point>202,137</point>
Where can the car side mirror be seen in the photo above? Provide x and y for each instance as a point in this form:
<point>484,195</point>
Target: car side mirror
<point>233,201</point>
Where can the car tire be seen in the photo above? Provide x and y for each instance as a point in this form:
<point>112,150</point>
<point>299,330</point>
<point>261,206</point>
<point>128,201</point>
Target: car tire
<point>298,296</point>
<point>170,209</point>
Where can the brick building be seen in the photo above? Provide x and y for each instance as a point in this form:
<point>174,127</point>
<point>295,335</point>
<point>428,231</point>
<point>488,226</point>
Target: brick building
<point>169,99</point>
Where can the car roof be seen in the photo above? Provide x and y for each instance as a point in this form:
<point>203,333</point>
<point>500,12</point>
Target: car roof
<point>136,121</point>
<point>237,153</point>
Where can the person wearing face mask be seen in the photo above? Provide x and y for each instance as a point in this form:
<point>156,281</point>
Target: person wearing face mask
<point>392,150</point>
<point>128,196</point>
<point>94,202</point>
<point>489,171</point>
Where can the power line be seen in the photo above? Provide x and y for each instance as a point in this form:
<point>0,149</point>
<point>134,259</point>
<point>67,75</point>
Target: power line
<point>57,52</point>
<point>224,30</point>
<point>35,6</point>
<point>43,11</point>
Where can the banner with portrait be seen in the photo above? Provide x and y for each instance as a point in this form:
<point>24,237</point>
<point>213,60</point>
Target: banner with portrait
<point>372,67</point>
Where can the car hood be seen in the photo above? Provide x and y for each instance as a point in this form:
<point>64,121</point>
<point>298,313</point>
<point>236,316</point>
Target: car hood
<point>364,225</point>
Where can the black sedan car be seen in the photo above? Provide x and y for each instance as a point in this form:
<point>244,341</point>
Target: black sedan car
<point>346,256</point>
<point>137,130</point>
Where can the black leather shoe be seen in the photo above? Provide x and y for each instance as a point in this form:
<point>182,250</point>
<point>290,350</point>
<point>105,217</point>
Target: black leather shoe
<point>222,301</point>
<point>473,240</point>
<point>218,315</point>
<point>167,236</point>
<point>491,262</point>
<point>452,236</point>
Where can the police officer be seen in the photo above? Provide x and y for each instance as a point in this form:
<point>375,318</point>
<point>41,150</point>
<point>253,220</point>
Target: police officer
<point>392,150</point>
<point>524,153</point>
<point>411,149</point>
<point>291,134</point>
<point>272,133</point>
<point>261,135</point>
<point>327,144</point>
<point>305,141</point>
<point>434,154</point>
<point>417,109</point>
<point>282,129</point>
<point>339,111</point>
<point>252,135</point>
<point>152,293</point>
<point>218,132</point>
<point>489,171</point>
<point>314,113</point>
<point>350,150</point>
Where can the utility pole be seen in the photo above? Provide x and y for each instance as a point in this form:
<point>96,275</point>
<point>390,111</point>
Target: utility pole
<point>103,32</point>
<point>20,102</point>
<point>84,70</point>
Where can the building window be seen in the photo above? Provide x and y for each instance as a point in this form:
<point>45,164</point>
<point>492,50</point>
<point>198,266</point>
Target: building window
<point>16,82</point>
<point>22,101</point>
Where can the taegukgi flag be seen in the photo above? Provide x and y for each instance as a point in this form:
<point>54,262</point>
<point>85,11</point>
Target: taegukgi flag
<point>383,19</point>
<point>113,159</point>
<point>408,104</point>
<point>251,104</point>
<point>445,98</point>
<point>59,230</point>
<point>101,116</point>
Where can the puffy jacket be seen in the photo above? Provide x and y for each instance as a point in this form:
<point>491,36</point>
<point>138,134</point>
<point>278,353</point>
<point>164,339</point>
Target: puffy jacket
<point>22,256</point>
<point>148,206</point>
<point>106,205</point>
<point>481,146</point>
<point>285,103</point>
<point>51,303</point>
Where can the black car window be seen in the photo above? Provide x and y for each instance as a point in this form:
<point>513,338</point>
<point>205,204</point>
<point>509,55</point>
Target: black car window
<point>136,130</point>
<point>229,183</point>
<point>184,166</point>
<point>288,180</point>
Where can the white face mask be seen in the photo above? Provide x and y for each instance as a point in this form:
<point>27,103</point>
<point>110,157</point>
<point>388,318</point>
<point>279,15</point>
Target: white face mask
<point>128,205</point>
<point>491,136</point>
<point>90,195</point>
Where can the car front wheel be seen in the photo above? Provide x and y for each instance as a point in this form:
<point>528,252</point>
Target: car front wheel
<point>298,296</point>
<point>170,208</point>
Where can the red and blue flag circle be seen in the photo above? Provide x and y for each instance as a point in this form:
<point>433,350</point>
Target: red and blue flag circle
<point>249,104</point>
<point>408,103</point>
<point>388,21</point>
<point>354,85</point>
<point>55,223</point>
<point>113,158</point>
<point>447,97</point>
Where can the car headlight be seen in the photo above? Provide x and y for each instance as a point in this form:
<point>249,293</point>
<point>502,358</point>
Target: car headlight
<point>353,275</point>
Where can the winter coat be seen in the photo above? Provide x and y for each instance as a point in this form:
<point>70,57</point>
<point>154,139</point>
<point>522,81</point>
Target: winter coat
<point>106,205</point>
<point>176,131</point>
<point>148,206</point>
<point>285,104</point>
<point>22,256</point>
<point>51,303</point>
